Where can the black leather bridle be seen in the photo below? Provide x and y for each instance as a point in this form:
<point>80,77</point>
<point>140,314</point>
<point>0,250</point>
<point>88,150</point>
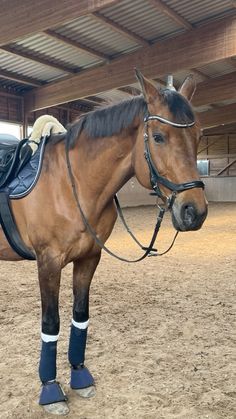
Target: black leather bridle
<point>155,178</point>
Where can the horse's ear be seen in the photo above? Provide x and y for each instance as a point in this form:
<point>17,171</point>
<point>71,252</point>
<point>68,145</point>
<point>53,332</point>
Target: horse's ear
<point>148,87</point>
<point>188,87</point>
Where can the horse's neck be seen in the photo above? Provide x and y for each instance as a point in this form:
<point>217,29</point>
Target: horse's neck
<point>107,165</point>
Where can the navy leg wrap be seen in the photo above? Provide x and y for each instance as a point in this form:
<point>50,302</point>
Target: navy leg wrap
<point>47,365</point>
<point>51,393</point>
<point>81,378</point>
<point>77,346</point>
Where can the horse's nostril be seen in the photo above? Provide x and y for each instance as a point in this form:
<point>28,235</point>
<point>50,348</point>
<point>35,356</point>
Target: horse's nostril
<point>189,214</point>
<point>188,217</point>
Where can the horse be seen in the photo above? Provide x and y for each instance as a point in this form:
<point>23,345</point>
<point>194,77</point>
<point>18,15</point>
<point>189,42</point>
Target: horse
<point>153,136</point>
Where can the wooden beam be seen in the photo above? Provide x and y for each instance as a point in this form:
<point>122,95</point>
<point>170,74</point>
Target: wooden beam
<point>19,79</point>
<point>205,77</point>
<point>24,18</point>
<point>232,61</point>
<point>216,156</point>
<point>227,129</point>
<point>76,44</point>
<point>38,59</point>
<point>220,138</point>
<point>200,73</point>
<point>130,90</point>
<point>172,14</point>
<point>90,102</point>
<point>226,167</point>
<point>118,28</point>
<point>203,45</point>
<point>220,116</point>
<point>215,90</point>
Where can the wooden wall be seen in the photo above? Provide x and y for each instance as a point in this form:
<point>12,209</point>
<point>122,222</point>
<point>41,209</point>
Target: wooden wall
<point>11,108</point>
<point>220,150</point>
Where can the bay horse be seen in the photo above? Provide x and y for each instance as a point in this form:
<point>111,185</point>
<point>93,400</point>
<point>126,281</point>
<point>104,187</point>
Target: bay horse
<point>154,137</point>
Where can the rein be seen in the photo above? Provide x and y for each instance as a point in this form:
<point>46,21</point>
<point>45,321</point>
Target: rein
<point>155,178</point>
<point>92,231</point>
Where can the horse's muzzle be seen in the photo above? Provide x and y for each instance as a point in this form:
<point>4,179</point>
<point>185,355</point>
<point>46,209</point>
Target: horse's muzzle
<point>187,217</point>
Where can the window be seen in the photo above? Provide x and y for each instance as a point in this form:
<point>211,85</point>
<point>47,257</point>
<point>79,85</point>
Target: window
<point>13,129</point>
<point>203,167</point>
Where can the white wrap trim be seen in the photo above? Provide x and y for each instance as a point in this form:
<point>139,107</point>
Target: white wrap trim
<point>49,338</point>
<point>82,325</point>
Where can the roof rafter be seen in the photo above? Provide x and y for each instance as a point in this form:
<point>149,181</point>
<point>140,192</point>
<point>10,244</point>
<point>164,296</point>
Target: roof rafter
<point>216,89</point>
<point>220,116</point>
<point>200,73</point>
<point>172,14</point>
<point>37,59</point>
<point>118,28</point>
<point>19,19</point>
<point>19,79</point>
<point>200,46</point>
<point>227,129</point>
<point>75,44</point>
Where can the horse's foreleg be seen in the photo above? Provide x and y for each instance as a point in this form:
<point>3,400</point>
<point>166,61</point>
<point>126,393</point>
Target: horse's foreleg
<point>52,396</point>
<point>81,379</point>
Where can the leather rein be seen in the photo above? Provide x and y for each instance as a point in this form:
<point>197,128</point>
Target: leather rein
<point>155,180</point>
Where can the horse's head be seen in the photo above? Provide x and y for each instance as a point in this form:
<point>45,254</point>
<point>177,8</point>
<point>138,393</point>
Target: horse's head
<point>170,138</point>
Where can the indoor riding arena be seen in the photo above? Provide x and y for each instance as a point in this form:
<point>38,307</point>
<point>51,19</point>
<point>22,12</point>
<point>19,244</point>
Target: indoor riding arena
<point>161,340</point>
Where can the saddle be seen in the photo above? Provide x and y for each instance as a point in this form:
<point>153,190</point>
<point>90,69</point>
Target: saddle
<point>20,168</point>
<point>14,154</point>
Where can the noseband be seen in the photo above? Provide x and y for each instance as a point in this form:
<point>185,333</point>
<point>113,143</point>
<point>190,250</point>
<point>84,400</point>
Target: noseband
<point>155,177</point>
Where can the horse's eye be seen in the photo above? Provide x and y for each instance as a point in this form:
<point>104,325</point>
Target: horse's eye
<point>158,137</point>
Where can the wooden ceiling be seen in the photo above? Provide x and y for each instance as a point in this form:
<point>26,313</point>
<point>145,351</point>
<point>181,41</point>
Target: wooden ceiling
<point>85,64</point>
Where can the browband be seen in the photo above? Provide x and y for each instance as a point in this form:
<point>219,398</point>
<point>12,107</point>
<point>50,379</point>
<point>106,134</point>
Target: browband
<point>167,121</point>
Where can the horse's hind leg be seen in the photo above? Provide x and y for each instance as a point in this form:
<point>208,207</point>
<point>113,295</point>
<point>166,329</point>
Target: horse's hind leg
<point>81,379</point>
<point>52,396</point>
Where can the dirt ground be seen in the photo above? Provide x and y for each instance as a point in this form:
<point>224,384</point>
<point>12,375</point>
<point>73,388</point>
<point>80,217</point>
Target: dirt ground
<point>161,336</point>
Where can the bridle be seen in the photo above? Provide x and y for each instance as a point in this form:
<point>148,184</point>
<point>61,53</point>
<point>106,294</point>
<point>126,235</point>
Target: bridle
<point>155,179</point>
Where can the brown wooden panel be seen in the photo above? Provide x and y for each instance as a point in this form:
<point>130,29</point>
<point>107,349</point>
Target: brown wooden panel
<point>222,115</point>
<point>232,143</point>
<point>11,109</point>
<point>216,90</point>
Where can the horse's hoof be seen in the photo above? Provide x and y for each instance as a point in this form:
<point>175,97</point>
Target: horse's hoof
<point>86,392</point>
<point>59,408</point>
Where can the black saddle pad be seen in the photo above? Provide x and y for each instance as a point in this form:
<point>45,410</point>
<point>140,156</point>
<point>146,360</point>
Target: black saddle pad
<point>25,179</point>
<point>14,154</point>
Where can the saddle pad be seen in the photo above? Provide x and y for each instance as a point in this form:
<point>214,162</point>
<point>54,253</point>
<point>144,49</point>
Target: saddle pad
<point>27,178</point>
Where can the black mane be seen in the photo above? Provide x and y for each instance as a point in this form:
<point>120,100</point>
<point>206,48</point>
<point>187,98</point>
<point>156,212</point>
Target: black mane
<point>112,119</point>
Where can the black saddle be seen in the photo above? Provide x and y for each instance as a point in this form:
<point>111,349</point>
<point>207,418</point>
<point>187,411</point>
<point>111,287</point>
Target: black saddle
<point>14,154</point>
